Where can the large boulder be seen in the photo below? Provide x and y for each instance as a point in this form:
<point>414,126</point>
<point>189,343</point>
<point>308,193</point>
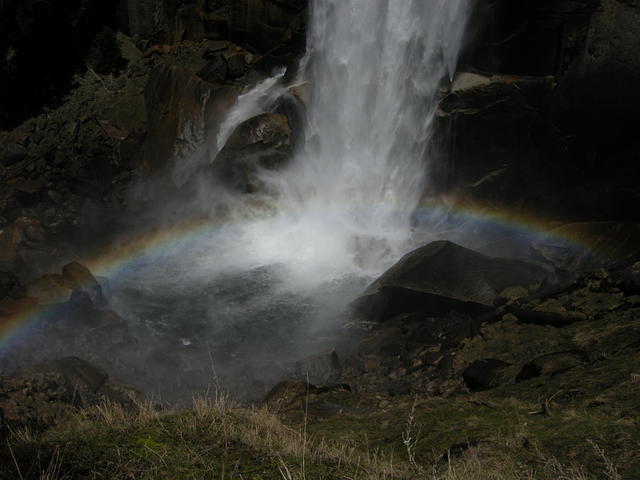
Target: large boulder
<point>262,142</point>
<point>183,110</point>
<point>442,277</point>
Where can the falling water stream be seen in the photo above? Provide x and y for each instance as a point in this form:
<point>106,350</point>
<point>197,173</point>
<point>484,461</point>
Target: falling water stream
<point>254,292</point>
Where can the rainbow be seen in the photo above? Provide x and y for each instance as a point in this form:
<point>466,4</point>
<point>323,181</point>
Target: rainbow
<point>19,317</point>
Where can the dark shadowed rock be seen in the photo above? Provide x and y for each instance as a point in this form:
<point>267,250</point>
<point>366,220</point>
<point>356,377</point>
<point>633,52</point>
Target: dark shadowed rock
<point>23,240</point>
<point>590,245</point>
<point>10,286</point>
<point>13,154</point>
<point>607,68</point>
<point>79,278</point>
<point>238,64</point>
<point>442,277</point>
<point>262,142</point>
<point>55,390</point>
<point>552,364</point>
<point>291,394</point>
<point>215,70</point>
<point>182,110</point>
<point>484,374</point>
<point>320,369</point>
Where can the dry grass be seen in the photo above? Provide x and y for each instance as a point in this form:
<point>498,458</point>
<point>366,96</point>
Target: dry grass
<point>291,453</point>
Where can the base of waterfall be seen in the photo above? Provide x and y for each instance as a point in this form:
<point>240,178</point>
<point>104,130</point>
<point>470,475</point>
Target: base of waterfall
<point>504,396</point>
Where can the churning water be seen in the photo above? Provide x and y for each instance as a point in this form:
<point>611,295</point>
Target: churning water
<point>342,209</point>
<point>373,70</point>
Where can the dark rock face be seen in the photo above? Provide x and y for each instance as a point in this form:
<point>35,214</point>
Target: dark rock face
<point>527,37</point>
<point>42,43</point>
<point>262,142</point>
<point>182,111</point>
<point>563,142</point>
<point>260,24</point>
<point>442,277</point>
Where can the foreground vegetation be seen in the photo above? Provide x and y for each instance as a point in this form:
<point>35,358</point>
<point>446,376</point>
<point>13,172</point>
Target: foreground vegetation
<point>404,438</point>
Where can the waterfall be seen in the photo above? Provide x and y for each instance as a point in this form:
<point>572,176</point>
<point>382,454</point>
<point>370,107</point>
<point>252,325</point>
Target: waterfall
<point>374,68</point>
<point>254,288</point>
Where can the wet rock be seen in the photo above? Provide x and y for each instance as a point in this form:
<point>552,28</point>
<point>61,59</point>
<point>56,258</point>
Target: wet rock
<point>215,71</point>
<point>182,110</point>
<point>49,289</point>
<point>442,277</point>
<point>262,142</point>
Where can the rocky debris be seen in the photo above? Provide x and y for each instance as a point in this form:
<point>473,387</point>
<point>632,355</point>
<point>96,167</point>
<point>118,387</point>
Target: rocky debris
<point>62,314</point>
<point>546,338</point>
<point>53,392</point>
<point>317,401</point>
<point>262,142</point>
<point>442,277</point>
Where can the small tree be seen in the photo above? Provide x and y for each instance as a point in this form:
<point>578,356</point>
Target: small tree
<point>105,56</point>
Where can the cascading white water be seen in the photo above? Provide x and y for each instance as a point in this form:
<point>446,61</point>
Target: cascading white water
<point>260,289</point>
<point>374,68</point>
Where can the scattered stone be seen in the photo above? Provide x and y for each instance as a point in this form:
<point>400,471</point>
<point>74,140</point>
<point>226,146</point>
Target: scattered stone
<point>55,390</point>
